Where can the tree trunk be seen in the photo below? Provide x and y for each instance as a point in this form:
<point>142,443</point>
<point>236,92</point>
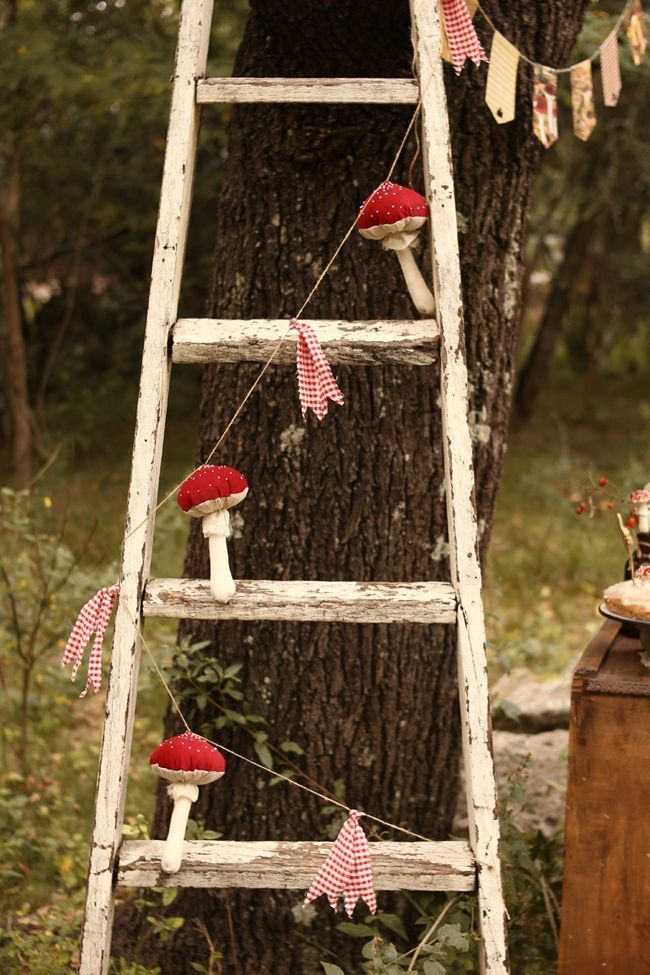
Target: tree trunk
<point>533,374</point>
<point>15,359</point>
<point>360,496</point>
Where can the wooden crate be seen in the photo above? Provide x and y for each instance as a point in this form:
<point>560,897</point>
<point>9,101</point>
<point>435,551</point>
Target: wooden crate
<point>606,898</point>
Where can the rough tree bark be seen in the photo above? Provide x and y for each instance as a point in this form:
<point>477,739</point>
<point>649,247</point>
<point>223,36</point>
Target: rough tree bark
<point>360,496</point>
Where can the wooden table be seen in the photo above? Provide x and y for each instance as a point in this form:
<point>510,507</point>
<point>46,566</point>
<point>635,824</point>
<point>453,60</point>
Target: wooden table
<point>606,897</point>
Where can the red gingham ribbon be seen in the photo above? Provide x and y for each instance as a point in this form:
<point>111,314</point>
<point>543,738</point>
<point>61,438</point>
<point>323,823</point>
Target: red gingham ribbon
<point>316,384</point>
<point>461,36</point>
<point>93,618</point>
<point>347,870</point>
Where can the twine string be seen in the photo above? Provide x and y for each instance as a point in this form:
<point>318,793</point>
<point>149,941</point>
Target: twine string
<point>537,64</point>
<point>282,339</point>
<point>328,799</point>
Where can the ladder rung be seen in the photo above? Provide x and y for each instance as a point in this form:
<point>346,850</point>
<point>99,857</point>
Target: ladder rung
<point>388,91</point>
<point>344,602</point>
<point>347,343</point>
<point>292,866</point>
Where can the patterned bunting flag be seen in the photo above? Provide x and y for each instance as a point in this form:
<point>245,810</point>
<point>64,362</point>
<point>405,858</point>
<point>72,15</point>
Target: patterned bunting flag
<point>501,85</point>
<point>582,100</point>
<point>316,384</point>
<point>545,105</point>
<point>461,36</point>
<point>93,618</point>
<point>610,70</point>
<point>347,871</point>
<point>445,53</point>
<point>635,30</point>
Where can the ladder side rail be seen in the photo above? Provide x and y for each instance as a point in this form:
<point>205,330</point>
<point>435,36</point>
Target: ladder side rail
<point>459,484</point>
<point>169,251</point>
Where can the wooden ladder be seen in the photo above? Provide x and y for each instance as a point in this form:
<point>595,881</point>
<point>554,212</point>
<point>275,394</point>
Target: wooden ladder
<point>453,866</point>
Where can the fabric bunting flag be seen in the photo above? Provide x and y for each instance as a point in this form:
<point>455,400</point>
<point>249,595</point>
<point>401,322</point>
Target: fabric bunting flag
<point>316,384</point>
<point>461,35</point>
<point>445,53</point>
<point>582,100</point>
<point>93,617</point>
<point>501,85</point>
<point>635,30</point>
<point>610,70</point>
<point>347,871</point>
<point>545,105</point>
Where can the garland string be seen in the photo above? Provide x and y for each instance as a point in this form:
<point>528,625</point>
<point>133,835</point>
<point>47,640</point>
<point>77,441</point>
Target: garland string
<point>329,800</point>
<point>283,337</point>
<point>592,57</point>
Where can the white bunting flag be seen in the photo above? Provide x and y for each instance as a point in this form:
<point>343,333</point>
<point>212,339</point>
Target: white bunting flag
<point>501,87</point>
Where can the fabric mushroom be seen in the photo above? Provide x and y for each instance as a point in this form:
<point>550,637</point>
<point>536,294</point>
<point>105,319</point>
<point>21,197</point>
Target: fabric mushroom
<point>186,762</point>
<point>395,215</point>
<point>209,493</point>
<point>641,501</point>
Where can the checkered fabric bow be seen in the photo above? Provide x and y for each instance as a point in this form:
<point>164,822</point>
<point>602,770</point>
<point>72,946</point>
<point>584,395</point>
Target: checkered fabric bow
<point>461,36</point>
<point>316,384</point>
<point>347,870</point>
<point>93,618</point>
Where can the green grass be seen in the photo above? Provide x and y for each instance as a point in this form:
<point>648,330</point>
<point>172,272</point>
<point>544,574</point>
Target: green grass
<point>547,567</point>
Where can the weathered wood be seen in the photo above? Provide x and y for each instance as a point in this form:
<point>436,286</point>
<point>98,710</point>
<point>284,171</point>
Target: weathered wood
<point>606,893</point>
<point>459,485</point>
<point>293,866</point>
<point>384,91</point>
<point>346,343</point>
<point>171,234</point>
<point>345,602</point>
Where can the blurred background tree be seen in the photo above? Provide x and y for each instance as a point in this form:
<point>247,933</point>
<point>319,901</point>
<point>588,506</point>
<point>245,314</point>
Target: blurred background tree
<point>82,134</point>
<point>586,308</point>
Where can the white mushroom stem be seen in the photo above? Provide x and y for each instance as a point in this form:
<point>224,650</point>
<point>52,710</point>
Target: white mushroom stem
<point>216,528</point>
<point>183,795</point>
<point>418,290</point>
<point>642,510</point>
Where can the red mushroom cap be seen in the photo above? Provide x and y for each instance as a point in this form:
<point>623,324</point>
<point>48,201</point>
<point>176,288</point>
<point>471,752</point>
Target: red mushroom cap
<point>643,573</point>
<point>389,204</point>
<point>209,483</point>
<point>188,757</point>
<point>641,496</point>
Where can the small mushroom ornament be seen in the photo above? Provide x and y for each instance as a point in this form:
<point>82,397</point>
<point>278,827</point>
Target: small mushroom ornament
<point>395,215</point>
<point>209,493</point>
<point>640,500</point>
<point>186,761</point>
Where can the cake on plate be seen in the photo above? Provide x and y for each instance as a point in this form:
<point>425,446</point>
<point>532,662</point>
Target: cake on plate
<point>632,597</point>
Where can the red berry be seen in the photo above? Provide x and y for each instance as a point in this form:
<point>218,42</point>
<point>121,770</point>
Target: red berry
<point>631,521</point>
<point>579,509</point>
<point>602,481</point>
<point>610,505</point>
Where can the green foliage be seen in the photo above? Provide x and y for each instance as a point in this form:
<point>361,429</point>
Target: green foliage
<point>42,586</point>
<point>438,934</point>
<point>547,567</point>
<point>215,701</point>
<point>83,119</point>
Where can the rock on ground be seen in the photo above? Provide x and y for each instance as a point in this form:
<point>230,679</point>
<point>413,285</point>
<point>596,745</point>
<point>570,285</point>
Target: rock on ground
<point>522,701</point>
<point>545,778</point>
